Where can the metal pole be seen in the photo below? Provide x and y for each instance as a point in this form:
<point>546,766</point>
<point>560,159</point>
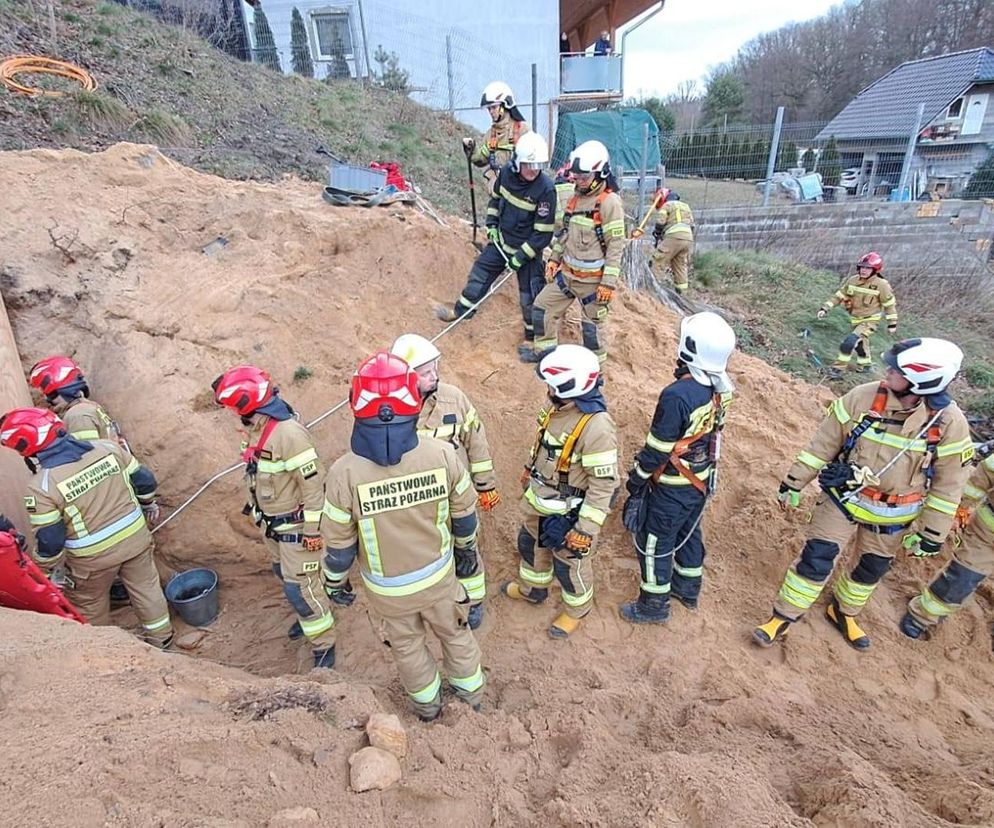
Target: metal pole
<point>631,29</point>
<point>771,162</point>
<point>365,40</point>
<point>448,70</point>
<point>534,93</point>
<point>642,170</point>
<point>909,153</point>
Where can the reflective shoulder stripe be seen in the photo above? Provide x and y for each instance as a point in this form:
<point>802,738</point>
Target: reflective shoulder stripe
<point>85,434</point>
<point>811,460</point>
<point>600,458</point>
<point>959,447</point>
<point>946,507</point>
<point>544,228</point>
<point>658,445</point>
<point>838,408</point>
<point>973,493</point>
<point>592,514</point>
<point>45,518</point>
<point>312,516</point>
<point>301,459</point>
<point>481,466</point>
<point>464,483</point>
<point>520,203</point>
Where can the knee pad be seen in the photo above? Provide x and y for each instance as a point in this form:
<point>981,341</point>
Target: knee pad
<point>561,570</point>
<point>526,546</point>
<point>861,348</point>
<point>817,558</point>
<point>538,321</point>
<point>848,343</point>
<point>871,568</point>
<point>956,584</point>
<point>295,596</point>
<point>589,333</point>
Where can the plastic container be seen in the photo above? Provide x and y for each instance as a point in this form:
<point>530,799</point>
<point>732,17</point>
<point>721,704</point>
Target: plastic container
<point>355,179</point>
<point>193,594</point>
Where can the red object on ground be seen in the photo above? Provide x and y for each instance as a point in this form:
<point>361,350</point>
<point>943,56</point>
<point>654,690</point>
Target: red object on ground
<point>24,586</point>
<point>394,175</point>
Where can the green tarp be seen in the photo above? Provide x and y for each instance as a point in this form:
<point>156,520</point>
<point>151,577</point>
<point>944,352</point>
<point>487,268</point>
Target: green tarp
<point>620,130</point>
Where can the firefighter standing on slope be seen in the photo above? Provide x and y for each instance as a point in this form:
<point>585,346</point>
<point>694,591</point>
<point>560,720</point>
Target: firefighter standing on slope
<point>586,259</point>
<point>520,221</point>
<point>508,127</point>
<point>283,477</point>
<point>405,506</point>
<point>674,239</point>
<point>675,472</point>
<point>570,484</point>
<point>448,415</point>
<point>890,458</point>
<point>87,510</point>
<point>973,557</point>
<point>867,296</point>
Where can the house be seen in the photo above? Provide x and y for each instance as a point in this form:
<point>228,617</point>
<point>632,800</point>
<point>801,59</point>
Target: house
<point>956,133</point>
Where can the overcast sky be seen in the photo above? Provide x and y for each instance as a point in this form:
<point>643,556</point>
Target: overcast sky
<point>689,36</point>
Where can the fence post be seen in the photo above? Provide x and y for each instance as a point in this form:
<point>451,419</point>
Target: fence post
<point>448,72</point>
<point>909,154</point>
<point>771,163</point>
<point>643,163</point>
<point>535,94</point>
<point>365,40</point>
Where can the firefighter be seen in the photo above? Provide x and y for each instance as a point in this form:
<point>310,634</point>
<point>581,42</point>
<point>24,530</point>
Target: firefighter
<point>675,229</point>
<point>448,415</point>
<point>507,128</point>
<point>570,484</point>
<point>283,477</point>
<point>520,221</point>
<point>867,297</point>
<point>586,258</point>
<point>405,506</point>
<point>675,472</point>
<point>973,557</point>
<point>86,508</point>
<point>890,459</point>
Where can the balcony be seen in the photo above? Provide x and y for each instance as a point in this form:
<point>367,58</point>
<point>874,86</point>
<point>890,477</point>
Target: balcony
<point>590,77</point>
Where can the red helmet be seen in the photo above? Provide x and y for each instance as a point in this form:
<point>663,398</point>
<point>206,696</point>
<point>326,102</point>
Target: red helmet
<point>53,373</point>
<point>384,386</point>
<point>244,389</point>
<point>29,430</point>
<point>872,260</point>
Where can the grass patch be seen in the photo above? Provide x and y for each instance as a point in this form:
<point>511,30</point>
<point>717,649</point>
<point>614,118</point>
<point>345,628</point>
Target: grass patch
<point>100,110</point>
<point>302,373</point>
<point>164,128</point>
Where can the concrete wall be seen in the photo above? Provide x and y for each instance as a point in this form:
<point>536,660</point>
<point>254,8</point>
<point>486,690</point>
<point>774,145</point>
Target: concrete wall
<point>940,238</point>
<point>13,394</point>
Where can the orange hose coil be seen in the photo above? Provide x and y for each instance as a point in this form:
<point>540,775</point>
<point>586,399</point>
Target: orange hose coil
<point>36,64</point>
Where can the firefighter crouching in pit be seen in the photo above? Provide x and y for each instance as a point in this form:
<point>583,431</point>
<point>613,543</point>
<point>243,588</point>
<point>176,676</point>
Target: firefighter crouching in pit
<point>520,220</point>
<point>867,296</point>
<point>973,557</point>
<point>507,128</point>
<point>448,415</point>
<point>570,484</point>
<point>890,459</point>
<point>676,471</point>
<point>586,259</point>
<point>674,239</point>
<point>405,506</point>
<point>87,509</point>
<point>283,476</point>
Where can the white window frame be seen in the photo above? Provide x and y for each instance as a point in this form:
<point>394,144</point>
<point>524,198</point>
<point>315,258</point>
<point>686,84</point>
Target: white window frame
<point>331,11</point>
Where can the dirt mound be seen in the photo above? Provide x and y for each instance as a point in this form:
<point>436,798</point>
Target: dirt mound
<point>685,725</point>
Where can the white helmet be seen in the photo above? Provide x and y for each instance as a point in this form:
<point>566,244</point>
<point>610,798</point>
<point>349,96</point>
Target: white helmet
<point>928,364</point>
<point>590,157</point>
<point>570,371</point>
<point>415,350</point>
<point>497,92</point>
<point>706,343</point>
<point>531,149</point>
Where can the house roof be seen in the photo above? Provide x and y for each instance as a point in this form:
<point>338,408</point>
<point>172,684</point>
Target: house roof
<point>888,106</point>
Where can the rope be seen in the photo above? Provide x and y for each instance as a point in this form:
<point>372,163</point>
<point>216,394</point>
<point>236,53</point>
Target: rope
<point>338,406</point>
<point>38,65</point>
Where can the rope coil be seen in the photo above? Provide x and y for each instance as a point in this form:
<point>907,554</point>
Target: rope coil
<point>39,65</point>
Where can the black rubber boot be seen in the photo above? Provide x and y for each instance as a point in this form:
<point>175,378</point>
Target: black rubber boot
<point>325,658</point>
<point>846,624</point>
<point>295,632</point>
<point>654,609</point>
<point>912,628</point>
<point>689,603</point>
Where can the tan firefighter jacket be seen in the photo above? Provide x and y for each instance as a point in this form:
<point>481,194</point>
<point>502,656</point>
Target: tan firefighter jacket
<point>979,493</point>
<point>402,522</point>
<point>901,495</point>
<point>591,477</point>
<point>675,221</point>
<point>499,141</point>
<point>288,474</point>
<point>866,300</point>
<point>93,497</point>
<point>448,415</point>
<point>593,237</point>
<point>86,420</point>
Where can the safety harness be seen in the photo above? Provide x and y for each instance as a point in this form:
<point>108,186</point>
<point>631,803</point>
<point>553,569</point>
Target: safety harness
<point>494,145</point>
<point>250,457</point>
<point>682,447</point>
<point>594,215</point>
<point>565,454</point>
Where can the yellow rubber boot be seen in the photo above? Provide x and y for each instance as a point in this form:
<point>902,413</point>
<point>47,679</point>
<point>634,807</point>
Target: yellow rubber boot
<point>512,589</point>
<point>564,626</point>
<point>846,624</point>
<point>766,635</point>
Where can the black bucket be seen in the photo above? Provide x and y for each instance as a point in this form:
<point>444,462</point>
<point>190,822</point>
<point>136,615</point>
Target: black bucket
<point>193,594</point>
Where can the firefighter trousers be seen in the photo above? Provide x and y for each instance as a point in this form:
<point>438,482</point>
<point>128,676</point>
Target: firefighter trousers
<point>89,581</point>
<point>407,637</point>
<point>673,253</point>
<point>538,566</point>
<point>672,520</point>
<point>859,342</point>
<point>487,267</point>
<point>973,561</point>
<point>555,300</point>
<point>300,572</point>
<point>531,280</point>
<point>828,534</point>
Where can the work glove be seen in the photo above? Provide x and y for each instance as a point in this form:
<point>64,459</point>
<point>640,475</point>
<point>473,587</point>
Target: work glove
<point>467,561</point>
<point>552,531</point>
<point>837,476</point>
<point>312,543</point>
<point>822,313</point>
<point>551,269</point>
<point>604,294</point>
<point>343,594</point>
<point>962,518</point>
<point>578,543</point>
<point>493,234</point>
<point>921,547</point>
<point>657,232</point>
<point>517,262</point>
<point>151,512</point>
<point>892,329</point>
<point>468,145</point>
<point>488,499</point>
<point>631,512</point>
<point>786,496</point>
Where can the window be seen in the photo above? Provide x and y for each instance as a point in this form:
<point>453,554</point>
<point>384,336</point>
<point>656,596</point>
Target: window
<point>955,110</point>
<point>333,34</point>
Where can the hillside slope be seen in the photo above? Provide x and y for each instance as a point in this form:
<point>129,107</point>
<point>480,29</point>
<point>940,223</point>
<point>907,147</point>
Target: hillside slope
<point>684,725</point>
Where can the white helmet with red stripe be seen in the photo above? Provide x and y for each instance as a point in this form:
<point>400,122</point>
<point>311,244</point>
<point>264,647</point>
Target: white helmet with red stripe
<point>928,364</point>
<point>570,371</point>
